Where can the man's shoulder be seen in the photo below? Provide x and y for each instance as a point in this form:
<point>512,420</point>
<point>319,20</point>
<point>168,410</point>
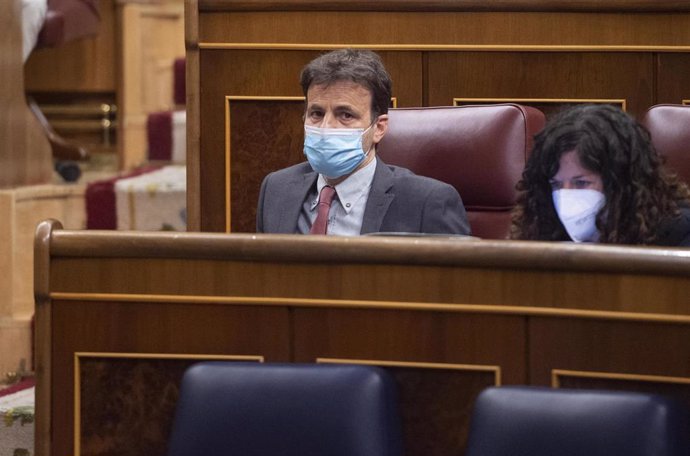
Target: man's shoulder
<point>299,169</point>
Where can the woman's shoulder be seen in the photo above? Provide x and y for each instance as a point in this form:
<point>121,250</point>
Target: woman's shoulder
<point>676,231</point>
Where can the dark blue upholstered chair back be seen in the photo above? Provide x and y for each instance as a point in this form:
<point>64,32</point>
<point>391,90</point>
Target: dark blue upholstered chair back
<point>528,421</point>
<point>253,409</point>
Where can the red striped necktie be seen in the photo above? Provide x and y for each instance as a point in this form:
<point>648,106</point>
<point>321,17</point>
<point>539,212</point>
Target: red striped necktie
<point>325,200</point>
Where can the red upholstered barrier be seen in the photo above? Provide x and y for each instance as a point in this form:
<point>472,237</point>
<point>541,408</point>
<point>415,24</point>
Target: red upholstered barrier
<point>165,130</point>
<point>101,209</point>
<point>19,386</point>
<point>180,88</point>
<point>159,135</point>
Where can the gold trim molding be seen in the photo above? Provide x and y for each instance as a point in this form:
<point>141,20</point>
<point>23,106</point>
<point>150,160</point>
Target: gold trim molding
<point>622,102</point>
<point>556,374</point>
<point>77,375</point>
<point>495,370</point>
<point>372,304</point>
<point>685,102</point>
<point>444,47</point>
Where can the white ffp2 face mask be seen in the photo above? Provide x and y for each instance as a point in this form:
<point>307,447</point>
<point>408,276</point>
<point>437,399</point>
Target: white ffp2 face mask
<point>578,209</point>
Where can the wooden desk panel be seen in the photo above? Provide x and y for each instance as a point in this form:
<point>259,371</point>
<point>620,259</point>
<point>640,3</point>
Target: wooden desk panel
<point>413,337</point>
<point>118,311</point>
<point>440,361</point>
<point>623,349</point>
<point>508,291</point>
<point>133,357</point>
<point>627,6</point>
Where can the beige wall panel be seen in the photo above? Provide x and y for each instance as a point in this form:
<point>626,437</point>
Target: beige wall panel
<point>15,333</point>
<point>33,204</point>
<point>152,37</point>
<point>25,156</point>
<point>21,209</point>
<point>6,256</point>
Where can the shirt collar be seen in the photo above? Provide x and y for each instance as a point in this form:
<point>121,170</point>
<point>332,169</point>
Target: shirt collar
<point>351,189</point>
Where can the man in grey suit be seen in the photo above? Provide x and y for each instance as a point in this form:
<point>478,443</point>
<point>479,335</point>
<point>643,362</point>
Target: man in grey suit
<point>343,188</point>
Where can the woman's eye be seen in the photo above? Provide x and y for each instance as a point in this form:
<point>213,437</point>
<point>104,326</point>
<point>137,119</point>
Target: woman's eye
<point>555,185</point>
<point>581,183</point>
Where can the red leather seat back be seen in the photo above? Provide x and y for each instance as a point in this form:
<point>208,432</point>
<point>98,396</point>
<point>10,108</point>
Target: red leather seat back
<point>669,126</point>
<point>480,150</point>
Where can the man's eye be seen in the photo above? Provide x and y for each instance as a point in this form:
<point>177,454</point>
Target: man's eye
<point>315,114</point>
<point>346,115</point>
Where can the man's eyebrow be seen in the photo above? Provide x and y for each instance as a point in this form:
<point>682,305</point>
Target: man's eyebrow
<point>345,107</point>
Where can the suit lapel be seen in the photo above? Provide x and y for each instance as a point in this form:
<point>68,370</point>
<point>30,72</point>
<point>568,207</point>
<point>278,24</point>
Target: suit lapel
<point>380,198</point>
<point>291,201</point>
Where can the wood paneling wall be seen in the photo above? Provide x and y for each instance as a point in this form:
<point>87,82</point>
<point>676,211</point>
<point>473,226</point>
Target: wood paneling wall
<point>637,53</point>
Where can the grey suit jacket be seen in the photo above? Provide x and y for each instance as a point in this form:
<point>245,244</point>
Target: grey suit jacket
<point>399,201</point>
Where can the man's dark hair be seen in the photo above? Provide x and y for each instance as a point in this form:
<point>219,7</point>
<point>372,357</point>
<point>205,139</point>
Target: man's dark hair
<point>359,66</point>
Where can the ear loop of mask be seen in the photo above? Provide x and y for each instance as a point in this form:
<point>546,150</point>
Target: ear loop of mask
<point>373,145</point>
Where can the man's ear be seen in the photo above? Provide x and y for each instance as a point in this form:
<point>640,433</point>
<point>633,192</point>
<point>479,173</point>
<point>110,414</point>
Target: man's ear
<point>380,128</point>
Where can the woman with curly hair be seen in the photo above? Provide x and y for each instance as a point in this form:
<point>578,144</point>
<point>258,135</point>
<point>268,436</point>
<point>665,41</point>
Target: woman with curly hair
<point>594,176</point>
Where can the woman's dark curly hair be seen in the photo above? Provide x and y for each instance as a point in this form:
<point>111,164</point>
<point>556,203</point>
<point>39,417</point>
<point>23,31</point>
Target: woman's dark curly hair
<point>640,194</point>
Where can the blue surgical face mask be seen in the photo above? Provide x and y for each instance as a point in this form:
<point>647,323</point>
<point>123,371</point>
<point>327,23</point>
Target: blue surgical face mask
<point>334,152</point>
